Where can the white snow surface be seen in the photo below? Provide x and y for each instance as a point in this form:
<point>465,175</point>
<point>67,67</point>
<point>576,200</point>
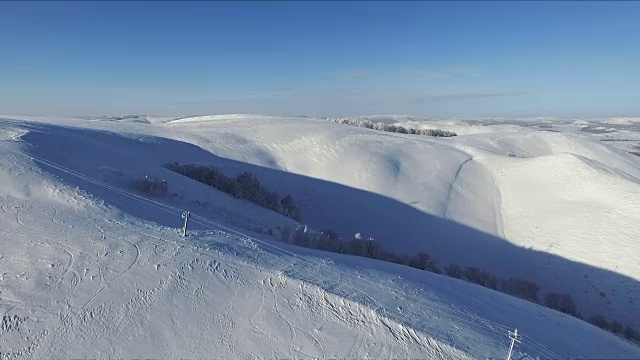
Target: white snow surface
<point>87,270</point>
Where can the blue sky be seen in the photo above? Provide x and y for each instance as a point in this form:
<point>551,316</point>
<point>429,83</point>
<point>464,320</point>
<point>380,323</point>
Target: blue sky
<point>435,59</point>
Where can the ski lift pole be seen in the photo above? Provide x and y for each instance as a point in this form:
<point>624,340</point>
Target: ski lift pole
<point>185,216</point>
<point>515,337</point>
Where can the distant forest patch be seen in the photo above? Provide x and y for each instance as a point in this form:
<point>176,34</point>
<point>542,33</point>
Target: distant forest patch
<point>392,128</point>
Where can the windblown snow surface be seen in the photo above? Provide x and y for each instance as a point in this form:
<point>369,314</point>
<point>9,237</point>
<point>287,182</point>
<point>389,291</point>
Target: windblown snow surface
<point>89,268</point>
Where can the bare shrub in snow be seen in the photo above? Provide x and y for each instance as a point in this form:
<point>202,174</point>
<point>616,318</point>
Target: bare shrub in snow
<point>632,334</point>
<point>562,302</point>
<point>481,277</point>
<point>285,234</point>
<point>356,247</point>
<point>521,288</point>
<point>390,257</point>
<point>370,248</point>
<point>154,187</point>
<point>600,321</point>
<point>328,240</point>
<point>289,208</point>
<point>373,249</point>
<point>454,271</point>
<point>423,261</point>
<point>617,327</point>
<point>301,237</point>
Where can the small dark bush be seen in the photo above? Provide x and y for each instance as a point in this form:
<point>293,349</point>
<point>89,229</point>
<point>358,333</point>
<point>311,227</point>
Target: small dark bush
<point>289,208</point>
<point>521,288</point>
<point>454,271</point>
<point>285,234</point>
<point>423,261</point>
<point>631,334</point>
<point>600,321</point>
<point>328,240</point>
<point>480,277</point>
<point>154,187</point>
<point>617,327</point>
<point>301,237</point>
<point>562,302</point>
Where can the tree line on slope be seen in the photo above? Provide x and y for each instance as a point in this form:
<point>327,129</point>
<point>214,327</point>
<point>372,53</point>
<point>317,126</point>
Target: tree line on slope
<point>393,128</point>
<point>329,240</point>
<point>247,186</point>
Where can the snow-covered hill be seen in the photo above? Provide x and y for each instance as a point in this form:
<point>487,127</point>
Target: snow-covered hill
<point>561,200</point>
<point>91,271</point>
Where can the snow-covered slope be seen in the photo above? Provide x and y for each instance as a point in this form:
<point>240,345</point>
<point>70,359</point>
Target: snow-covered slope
<point>90,271</point>
<point>533,188</point>
<point>557,194</point>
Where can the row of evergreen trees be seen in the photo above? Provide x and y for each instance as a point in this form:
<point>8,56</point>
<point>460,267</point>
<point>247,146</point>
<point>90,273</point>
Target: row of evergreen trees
<point>245,186</point>
<point>329,240</point>
<point>393,128</point>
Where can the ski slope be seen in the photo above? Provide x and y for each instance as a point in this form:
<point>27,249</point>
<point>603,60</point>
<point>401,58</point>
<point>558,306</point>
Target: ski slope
<point>503,180</point>
<point>88,268</point>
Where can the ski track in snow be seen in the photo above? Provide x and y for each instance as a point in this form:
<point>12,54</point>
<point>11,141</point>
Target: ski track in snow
<point>53,284</point>
<point>445,212</point>
<point>356,342</point>
<point>497,206</point>
<point>257,311</point>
